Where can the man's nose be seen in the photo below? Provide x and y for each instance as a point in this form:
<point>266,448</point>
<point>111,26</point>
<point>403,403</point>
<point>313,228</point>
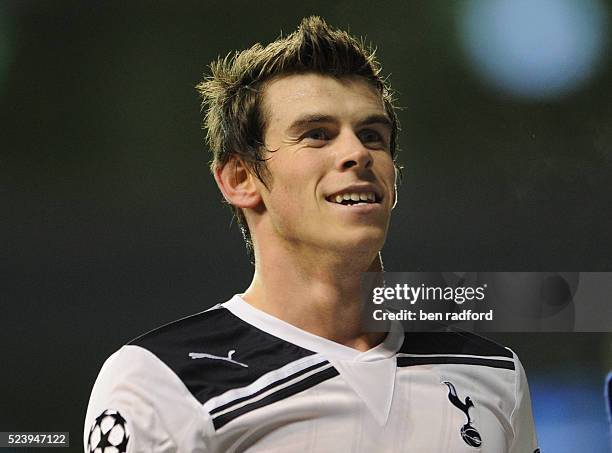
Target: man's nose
<point>353,153</point>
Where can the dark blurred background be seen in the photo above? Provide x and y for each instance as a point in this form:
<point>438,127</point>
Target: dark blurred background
<point>112,224</point>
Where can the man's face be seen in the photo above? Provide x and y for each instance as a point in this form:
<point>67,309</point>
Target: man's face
<point>332,176</point>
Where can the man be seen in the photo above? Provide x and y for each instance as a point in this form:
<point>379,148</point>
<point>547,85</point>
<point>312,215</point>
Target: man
<point>303,133</point>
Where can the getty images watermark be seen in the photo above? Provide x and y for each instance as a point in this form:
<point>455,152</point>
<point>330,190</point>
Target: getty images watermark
<point>489,301</point>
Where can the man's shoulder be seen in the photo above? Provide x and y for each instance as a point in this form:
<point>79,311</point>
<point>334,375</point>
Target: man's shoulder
<point>192,329</point>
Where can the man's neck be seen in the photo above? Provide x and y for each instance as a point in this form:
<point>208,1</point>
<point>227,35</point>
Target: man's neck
<point>321,297</point>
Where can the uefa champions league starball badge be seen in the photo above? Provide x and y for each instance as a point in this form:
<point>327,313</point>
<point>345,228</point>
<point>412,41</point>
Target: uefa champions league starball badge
<point>108,433</point>
<point>468,433</point>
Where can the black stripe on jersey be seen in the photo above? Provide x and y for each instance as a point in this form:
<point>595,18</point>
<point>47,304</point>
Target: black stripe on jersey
<point>217,332</point>
<point>269,387</point>
<point>286,392</point>
<point>451,342</point>
<point>484,361</point>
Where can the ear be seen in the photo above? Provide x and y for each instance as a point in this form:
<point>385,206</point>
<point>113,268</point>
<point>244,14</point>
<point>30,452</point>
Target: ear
<point>237,184</point>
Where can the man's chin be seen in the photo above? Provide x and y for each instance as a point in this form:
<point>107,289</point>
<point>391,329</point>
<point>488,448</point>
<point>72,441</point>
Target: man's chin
<point>359,242</point>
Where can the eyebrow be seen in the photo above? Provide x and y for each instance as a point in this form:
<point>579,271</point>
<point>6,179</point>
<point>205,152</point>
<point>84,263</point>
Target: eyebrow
<point>376,119</point>
<point>308,120</point>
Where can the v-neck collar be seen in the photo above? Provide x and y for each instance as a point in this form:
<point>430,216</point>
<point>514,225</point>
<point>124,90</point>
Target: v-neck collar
<point>327,348</point>
<point>371,374</point>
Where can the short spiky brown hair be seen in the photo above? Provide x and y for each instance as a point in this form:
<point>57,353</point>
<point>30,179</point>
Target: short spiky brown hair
<point>232,95</point>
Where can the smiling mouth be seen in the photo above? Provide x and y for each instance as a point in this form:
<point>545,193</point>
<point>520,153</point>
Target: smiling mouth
<point>354,198</point>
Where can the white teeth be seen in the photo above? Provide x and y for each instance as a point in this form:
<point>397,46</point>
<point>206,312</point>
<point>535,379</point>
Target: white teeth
<point>354,196</point>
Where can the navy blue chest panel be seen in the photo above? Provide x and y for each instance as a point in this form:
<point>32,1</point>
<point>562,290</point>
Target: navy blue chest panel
<point>452,347</point>
<point>215,351</point>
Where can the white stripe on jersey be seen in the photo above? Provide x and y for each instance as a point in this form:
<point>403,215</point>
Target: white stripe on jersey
<point>266,380</point>
<point>272,390</point>
<point>492,357</point>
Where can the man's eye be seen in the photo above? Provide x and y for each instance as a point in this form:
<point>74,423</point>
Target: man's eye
<point>370,136</point>
<point>317,134</point>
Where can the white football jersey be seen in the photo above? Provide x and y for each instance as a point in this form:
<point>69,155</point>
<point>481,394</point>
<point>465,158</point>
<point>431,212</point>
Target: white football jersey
<point>234,379</point>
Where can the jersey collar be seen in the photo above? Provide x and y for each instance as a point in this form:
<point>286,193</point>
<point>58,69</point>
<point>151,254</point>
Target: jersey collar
<point>328,348</point>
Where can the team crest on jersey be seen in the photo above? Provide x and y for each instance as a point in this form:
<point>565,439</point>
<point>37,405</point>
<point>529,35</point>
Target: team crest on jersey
<point>108,433</point>
<point>468,433</point>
